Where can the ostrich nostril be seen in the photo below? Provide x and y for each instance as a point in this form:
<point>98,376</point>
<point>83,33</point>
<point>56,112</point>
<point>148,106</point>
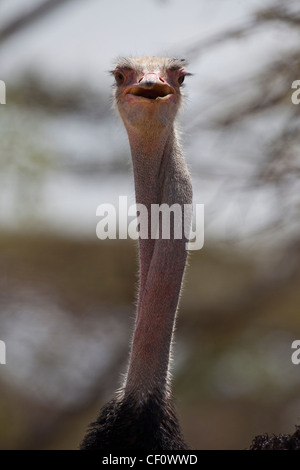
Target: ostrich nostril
<point>146,81</point>
<point>150,78</point>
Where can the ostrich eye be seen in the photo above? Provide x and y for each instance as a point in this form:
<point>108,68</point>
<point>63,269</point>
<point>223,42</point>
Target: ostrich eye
<point>119,77</point>
<point>181,79</point>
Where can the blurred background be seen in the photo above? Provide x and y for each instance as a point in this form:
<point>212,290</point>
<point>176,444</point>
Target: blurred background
<point>66,298</point>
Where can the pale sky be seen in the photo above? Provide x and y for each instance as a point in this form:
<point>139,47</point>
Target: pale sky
<point>80,40</point>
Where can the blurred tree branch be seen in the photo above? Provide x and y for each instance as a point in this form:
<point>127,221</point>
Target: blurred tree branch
<point>27,18</point>
<point>276,13</point>
<point>202,46</point>
<point>272,85</point>
<point>265,97</point>
<point>279,13</point>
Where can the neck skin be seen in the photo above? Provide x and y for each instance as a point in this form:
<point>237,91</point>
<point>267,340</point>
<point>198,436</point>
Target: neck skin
<point>160,176</point>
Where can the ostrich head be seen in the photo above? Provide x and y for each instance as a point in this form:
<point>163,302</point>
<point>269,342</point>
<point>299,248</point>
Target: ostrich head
<point>148,91</point>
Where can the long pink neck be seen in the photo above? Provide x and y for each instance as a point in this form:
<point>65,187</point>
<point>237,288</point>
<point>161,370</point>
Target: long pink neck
<point>160,177</point>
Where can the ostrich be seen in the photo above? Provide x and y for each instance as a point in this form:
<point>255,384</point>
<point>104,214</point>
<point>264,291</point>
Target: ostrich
<point>142,416</point>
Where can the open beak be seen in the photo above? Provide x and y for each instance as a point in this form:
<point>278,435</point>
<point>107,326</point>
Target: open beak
<point>151,87</point>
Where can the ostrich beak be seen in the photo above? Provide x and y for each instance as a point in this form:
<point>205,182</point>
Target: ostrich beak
<point>151,87</point>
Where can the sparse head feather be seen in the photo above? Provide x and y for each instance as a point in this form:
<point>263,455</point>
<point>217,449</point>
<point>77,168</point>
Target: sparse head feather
<point>150,63</point>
